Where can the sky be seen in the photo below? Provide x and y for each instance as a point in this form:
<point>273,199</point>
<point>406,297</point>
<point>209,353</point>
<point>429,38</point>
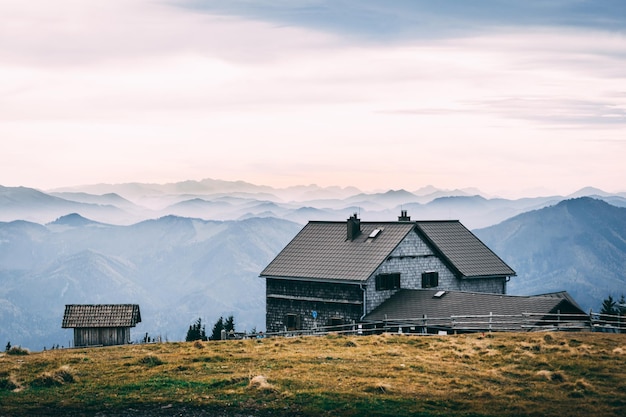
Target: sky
<point>511,97</point>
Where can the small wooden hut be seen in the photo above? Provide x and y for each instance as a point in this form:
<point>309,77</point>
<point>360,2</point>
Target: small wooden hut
<point>101,324</point>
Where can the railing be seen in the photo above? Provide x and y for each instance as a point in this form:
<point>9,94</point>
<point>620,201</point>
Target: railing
<point>473,323</point>
<point>608,323</point>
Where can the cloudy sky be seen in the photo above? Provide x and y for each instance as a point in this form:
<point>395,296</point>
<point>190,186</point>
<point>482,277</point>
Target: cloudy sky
<point>512,97</point>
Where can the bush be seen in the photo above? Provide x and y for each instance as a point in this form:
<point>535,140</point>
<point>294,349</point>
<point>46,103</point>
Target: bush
<point>17,350</point>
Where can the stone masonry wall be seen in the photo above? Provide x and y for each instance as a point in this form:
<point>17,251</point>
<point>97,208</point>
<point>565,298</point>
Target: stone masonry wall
<point>277,307</point>
<point>413,257</point>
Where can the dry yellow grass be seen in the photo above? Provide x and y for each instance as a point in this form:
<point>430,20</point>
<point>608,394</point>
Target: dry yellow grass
<point>533,374</point>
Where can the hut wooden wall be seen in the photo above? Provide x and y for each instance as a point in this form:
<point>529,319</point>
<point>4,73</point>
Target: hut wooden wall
<point>106,336</point>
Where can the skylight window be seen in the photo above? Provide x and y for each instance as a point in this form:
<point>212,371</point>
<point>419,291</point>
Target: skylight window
<point>375,233</point>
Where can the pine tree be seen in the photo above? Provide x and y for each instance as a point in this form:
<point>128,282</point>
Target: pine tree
<point>608,306</point>
<point>217,329</point>
<point>621,305</point>
<point>196,332</point>
<point>609,309</point>
<point>229,324</point>
<point>8,347</point>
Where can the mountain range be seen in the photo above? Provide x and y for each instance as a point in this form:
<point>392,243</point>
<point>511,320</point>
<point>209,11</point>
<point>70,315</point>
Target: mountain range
<point>126,204</point>
<point>578,245</point>
<point>194,249</point>
<point>177,270</point>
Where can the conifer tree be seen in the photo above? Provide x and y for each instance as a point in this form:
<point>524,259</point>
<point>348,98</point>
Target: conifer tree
<point>229,324</point>
<point>217,329</point>
<point>608,306</point>
<point>196,332</point>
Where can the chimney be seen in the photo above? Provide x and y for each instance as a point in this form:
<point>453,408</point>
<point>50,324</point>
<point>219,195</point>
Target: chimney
<point>354,227</point>
<point>403,216</point>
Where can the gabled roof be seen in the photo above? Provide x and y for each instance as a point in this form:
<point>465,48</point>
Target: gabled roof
<point>101,315</point>
<point>409,304</point>
<point>322,251</point>
<point>462,250</point>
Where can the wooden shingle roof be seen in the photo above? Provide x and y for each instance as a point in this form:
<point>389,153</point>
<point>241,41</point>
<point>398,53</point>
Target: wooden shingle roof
<point>101,315</point>
<point>321,251</point>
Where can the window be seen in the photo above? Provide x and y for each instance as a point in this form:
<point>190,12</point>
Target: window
<point>292,322</point>
<point>335,322</point>
<point>430,279</point>
<point>387,281</point>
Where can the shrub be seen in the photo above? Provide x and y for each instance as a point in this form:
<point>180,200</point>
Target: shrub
<point>17,350</point>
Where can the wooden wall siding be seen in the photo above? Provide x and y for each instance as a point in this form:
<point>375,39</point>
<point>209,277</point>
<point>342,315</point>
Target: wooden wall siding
<point>329,300</point>
<point>105,336</point>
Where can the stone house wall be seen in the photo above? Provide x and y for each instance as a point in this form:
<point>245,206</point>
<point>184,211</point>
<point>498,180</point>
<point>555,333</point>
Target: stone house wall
<point>329,300</point>
<point>413,257</point>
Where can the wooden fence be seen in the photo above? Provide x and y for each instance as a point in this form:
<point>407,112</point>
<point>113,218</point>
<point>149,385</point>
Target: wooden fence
<point>593,322</point>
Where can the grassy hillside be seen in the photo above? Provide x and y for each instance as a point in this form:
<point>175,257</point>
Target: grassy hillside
<point>531,374</point>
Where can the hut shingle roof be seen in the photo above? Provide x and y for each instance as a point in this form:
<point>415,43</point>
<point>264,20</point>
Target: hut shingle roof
<point>101,315</point>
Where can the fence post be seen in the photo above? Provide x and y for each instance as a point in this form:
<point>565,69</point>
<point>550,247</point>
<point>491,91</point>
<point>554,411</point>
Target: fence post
<point>490,318</point>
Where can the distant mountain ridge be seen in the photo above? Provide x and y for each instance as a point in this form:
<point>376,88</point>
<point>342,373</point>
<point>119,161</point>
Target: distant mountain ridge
<point>182,255</point>
<point>177,269</point>
<point>578,245</point>
<point>125,204</point>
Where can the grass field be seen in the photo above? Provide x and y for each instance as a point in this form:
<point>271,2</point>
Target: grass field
<point>499,374</point>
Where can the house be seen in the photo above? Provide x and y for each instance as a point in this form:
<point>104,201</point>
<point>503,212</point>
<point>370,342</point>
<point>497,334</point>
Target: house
<point>333,273</point>
<point>430,311</point>
<point>101,324</point>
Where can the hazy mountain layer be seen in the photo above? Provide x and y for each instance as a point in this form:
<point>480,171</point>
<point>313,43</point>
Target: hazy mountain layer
<point>176,269</point>
<point>127,204</point>
<point>166,255</point>
<point>578,245</point>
